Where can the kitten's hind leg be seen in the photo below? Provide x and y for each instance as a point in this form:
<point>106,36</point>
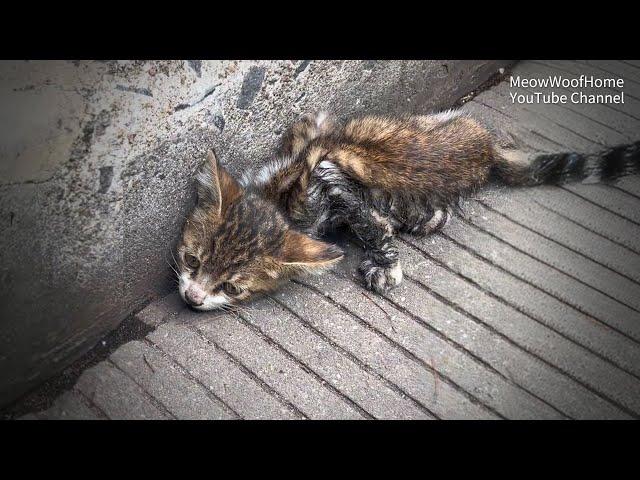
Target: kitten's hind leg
<point>438,221</point>
<point>425,221</point>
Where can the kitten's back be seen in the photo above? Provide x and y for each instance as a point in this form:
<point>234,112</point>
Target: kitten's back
<point>447,153</point>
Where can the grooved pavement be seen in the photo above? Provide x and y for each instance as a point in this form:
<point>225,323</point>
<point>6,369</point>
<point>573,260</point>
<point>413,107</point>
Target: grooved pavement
<point>527,307</point>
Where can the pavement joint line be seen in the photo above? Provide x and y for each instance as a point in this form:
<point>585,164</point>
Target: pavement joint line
<point>265,386</point>
<point>577,112</point>
<point>95,408</point>
<point>323,382</point>
<point>461,310</point>
<point>87,403</point>
<point>398,390</point>
<point>541,322</point>
<point>406,352</point>
<point>556,67</point>
<point>536,113</point>
<point>586,227</point>
<point>532,131</point>
<point>625,191</point>
<point>422,322</point>
<point>154,401</point>
<point>524,252</point>
<point>611,73</point>
<point>509,379</point>
<point>586,199</point>
<point>630,64</point>
<point>461,348</point>
<point>212,396</point>
<point>565,127</point>
<point>533,285</point>
<point>557,242</point>
<point>526,350</point>
<point>575,307</point>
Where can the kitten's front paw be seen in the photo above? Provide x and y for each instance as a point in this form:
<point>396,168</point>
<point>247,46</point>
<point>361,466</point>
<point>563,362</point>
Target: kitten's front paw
<point>378,278</point>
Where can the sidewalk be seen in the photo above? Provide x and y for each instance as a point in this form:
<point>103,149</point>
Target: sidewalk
<point>526,308</point>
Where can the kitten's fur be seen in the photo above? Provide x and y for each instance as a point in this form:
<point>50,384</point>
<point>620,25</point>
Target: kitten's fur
<point>376,175</point>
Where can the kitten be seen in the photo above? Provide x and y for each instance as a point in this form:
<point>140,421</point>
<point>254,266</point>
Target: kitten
<point>376,175</point>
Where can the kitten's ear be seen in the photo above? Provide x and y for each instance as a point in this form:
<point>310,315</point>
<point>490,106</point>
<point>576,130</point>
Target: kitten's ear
<point>303,252</point>
<point>216,187</point>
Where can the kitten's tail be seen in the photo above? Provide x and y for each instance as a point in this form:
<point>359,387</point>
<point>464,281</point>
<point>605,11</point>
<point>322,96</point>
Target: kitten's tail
<point>568,167</point>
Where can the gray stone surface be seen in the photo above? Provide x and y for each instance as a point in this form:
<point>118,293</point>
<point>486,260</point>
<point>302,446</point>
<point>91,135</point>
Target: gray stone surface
<point>492,331</point>
<point>118,396</point>
<point>562,291</point>
<point>71,406</point>
<point>523,207</point>
<point>97,166</point>
<point>225,377</point>
<point>525,308</point>
<point>546,250</point>
<point>162,310</point>
<point>276,367</point>
<point>386,360</point>
<point>166,381</point>
<point>591,216</point>
<point>523,330</point>
<point>449,362</point>
<point>372,393</point>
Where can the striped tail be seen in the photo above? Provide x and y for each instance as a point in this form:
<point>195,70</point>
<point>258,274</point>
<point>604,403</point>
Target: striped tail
<point>570,167</point>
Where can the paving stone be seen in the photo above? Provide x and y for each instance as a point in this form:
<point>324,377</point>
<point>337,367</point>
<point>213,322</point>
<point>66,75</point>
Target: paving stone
<point>532,335</point>
<point>219,373</point>
<point>166,382</point>
<point>630,185</point>
<point>524,238</point>
<point>117,395</point>
<point>591,216</point>
<point>70,406</point>
<point>562,291</point>
<point>528,309</point>
<point>385,359</point>
<point>162,310</point>
<point>519,207</point>
<point>281,371</point>
<point>450,363</point>
<point>614,200</point>
<point>373,395</point>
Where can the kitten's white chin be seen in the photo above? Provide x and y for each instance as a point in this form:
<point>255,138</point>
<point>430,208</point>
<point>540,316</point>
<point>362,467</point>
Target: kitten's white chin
<point>212,302</point>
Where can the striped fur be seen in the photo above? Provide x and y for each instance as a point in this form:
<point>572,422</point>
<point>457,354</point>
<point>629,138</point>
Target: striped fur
<point>571,167</point>
<point>375,175</point>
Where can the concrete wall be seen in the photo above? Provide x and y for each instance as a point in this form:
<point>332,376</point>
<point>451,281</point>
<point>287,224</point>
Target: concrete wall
<point>96,167</point>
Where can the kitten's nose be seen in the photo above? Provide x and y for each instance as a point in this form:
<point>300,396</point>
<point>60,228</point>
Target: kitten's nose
<point>194,297</point>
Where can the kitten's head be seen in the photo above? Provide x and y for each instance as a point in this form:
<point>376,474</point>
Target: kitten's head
<point>235,244</point>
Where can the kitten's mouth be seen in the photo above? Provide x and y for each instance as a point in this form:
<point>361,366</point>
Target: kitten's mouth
<point>210,302</point>
<point>198,299</point>
<point>209,308</point>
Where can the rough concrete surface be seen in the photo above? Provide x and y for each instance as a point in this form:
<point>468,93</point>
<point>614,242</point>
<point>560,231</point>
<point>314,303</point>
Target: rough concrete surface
<point>97,160</point>
<point>526,306</point>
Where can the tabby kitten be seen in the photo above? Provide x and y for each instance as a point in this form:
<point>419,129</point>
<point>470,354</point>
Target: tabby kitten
<point>375,175</point>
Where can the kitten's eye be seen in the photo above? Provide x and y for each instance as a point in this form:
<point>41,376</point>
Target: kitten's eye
<point>231,289</point>
<point>192,261</point>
